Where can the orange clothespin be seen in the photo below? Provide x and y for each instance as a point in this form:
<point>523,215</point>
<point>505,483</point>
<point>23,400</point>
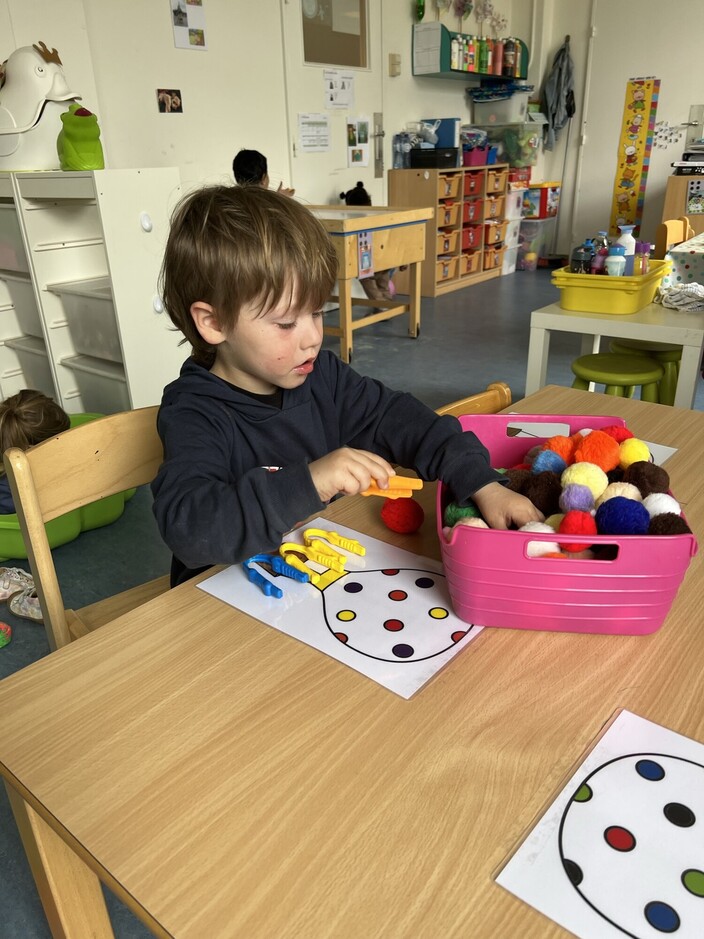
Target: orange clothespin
<point>400,487</point>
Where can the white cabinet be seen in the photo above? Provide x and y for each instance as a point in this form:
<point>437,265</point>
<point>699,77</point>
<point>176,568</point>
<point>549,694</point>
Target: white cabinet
<point>80,317</point>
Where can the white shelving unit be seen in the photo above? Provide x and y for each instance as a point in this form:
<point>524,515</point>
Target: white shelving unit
<point>80,316</point>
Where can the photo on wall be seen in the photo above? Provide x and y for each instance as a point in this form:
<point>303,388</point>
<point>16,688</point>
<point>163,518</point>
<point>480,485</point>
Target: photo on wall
<point>169,100</point>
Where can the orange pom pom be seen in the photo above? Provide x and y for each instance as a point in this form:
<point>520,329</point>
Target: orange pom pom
<point>598,448</point>
<point>563,446</point>
<point>576,523</point>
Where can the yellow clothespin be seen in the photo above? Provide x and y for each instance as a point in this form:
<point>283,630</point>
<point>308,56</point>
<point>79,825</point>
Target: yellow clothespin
<point>328,558</point>
<point>349,544</point>
<point>400,487</point>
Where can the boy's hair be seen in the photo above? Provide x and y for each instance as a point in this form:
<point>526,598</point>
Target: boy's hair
<point>249,167</point>
<point>230,246</point>
<point>29,417</point>
<point>357,196</point>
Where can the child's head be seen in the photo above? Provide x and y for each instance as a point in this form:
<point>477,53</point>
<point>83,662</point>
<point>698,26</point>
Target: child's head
<point>250,168</point>
<point>29,417</point>
<point>232,246</point>
<point>357,196</point>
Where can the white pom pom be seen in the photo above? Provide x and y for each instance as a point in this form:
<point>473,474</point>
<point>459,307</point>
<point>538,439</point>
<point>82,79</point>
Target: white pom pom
<point>536,549</point>
<point>657,503</point>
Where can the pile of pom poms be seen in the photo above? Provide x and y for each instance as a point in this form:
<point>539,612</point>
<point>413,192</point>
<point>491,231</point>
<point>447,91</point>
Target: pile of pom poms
<point>596,482</point>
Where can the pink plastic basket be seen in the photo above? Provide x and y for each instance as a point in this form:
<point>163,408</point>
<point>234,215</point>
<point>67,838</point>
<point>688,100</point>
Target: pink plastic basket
<point>493,582</point>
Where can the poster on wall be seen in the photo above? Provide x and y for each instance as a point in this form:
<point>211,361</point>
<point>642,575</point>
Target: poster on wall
<point>338,88</point>
<point>695,197</point>
<point>358,141</point>
<point>188,19</point>
<point>313,133</point>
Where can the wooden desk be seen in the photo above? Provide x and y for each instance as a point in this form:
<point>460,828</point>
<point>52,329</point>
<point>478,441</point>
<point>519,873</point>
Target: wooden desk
<point>226,780</point>
<point>397,237</point>
<point>654,322</point>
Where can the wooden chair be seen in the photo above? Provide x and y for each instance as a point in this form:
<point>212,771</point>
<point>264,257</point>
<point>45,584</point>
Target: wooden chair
<point>672,232</point>
<point>73,469</point>
<point>496,397</point>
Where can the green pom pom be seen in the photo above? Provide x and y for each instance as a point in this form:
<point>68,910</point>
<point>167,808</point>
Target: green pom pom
<point>453,512</point>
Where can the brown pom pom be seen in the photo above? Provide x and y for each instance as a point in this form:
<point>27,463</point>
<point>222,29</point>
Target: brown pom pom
<point>543,490</point>
<point>615,475</point>
<point>517,478</point>
<point>668,524</point>
<point>647,477</point>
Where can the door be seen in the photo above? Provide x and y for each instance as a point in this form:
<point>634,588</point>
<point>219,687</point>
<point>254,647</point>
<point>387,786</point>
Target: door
<point>320,177</point>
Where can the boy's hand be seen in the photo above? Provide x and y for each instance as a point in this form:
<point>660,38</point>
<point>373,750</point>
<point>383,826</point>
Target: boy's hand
<point>350,472</point>
<point>284,191</point>
<point>503,508</point>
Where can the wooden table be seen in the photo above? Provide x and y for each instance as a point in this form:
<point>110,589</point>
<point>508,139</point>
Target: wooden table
<point>397,238</point>
<point>654,323</point>
<point>226,780</point>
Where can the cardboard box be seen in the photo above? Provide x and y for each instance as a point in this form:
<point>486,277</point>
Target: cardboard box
<point>541,200</point>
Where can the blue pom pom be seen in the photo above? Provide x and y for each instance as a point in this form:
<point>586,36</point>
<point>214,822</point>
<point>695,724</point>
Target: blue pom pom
<point>548,461</point>
<point>621,516</point>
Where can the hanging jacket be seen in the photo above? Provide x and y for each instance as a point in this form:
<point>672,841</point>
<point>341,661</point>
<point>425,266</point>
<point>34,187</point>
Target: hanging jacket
<point>558,94</point>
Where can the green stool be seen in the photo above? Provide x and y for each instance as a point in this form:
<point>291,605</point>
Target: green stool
<point>621,374</point>
<point>667,355</point>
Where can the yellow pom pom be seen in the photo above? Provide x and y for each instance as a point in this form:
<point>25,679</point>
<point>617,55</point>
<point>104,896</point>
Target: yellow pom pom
<point>586,474</point>
<point>633,451</point>
<point>554,520</point>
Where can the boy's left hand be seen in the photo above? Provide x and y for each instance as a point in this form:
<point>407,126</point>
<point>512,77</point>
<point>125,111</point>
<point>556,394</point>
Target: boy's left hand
<point>503,508</point>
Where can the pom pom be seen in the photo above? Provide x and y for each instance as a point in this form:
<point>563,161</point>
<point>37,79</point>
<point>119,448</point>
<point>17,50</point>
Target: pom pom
<point>531,454</point>
<point>660,503</point>
<point>555,554</point>
<point>619,516</point>
<point>576,523</point>
<point>454,512</point>
<point>402,515</point>
<point>5,634</point>
<point>600,449</point>
<point>543,490</point>
<point>647,477</point>
<point>633,451</point>
<point>516,478</point>
<point>548,461</point>
<point>668,524</point>
<point>627,490</point>
<point>576,497</point>
<point>469,522</point>
<point>554,520</point>
<point>563,446</point>
<point>615,475</point>
<point>586,474</point>
<point>536,549</point>
<point>617,432</point>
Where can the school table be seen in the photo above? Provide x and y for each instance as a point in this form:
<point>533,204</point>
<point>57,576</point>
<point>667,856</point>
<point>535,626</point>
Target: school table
<point>226,780</point>
<point>653,323</point>
<point>394,237</point>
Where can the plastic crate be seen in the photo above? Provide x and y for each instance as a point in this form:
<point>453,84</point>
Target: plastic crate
<point>469,262</point>
<point>448,186</point>
<point>471,237</point>
<point>473,184</point>
<point>472,211</point>
<point>599,293</point>
<point>447,214</point>
<point>492,581</point>
<point>445,269</point>
<point>447,241</point>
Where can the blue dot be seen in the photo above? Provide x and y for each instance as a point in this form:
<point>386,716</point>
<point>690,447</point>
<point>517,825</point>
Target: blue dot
<point>425,582</point>
<point>661,916</point>
<point>403,651</point>
<point>353,587</point>
<point>649,769</point>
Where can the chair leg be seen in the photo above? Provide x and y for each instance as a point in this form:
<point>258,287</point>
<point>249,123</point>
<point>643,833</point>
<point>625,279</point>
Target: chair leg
<point>629,391</point>
<point>581,384</point>
<point>650,393</point>
<point>668,383</point>
<point>615,390</point>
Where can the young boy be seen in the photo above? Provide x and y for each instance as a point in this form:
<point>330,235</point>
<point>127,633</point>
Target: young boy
<point>250,168</point>
<point>263,428</point>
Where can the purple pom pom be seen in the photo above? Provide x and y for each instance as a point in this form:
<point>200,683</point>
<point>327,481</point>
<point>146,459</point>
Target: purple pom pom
<point>548,461</point>
<point>576,497</point>
<point>621,516</point>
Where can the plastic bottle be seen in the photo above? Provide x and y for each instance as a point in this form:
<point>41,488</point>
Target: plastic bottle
<point>509,63</point>
<point>518,59</point>
<point>498,60</point>
<point>599,260</point>
<point>629,243</point>
<point>471,54</point>
<point>581,260</point>
<point>489,56</point>
<point>616,261</point>
<point>601,240</point>
<point>455,47</point>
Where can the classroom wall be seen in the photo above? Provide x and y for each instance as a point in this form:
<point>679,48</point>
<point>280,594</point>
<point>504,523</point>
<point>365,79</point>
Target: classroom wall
<point>118,54</point>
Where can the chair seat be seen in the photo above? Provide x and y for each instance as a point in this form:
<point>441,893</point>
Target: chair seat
<point>610,368</point>
<point>83,621</point>
<point>662,351</point>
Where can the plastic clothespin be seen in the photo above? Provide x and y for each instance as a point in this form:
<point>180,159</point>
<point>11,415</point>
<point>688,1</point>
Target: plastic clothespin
<point>278,566</point>
<point>328,558</point>
<point>400,487</point>
<point>254,577</point>
<point>349,544</point>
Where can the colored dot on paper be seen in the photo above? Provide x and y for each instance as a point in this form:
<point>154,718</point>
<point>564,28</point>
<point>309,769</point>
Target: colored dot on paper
<point>393,625</point>
<point>403,651</point>
<point>679,814</point>
<point>346,616</point>
<point>425,582</point>
<point>649,769</point>
<point>583,794</point>
<point>693,880</point>
<point>460,634</point>
<point>620,839</point>
<point>398,595</point>
<point>437,612</point>
<point>573,871</point>
<point>353,587</point>
<point>389,572</point>
<point>342,637</point>
<point>661,916</point>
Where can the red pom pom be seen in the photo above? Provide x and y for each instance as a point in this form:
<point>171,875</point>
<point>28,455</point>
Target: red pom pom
<point>617,432</point>
<point>402,515</point>
<point>576,523</point>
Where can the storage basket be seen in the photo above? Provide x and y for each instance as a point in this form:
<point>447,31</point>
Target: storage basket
<point>447,214</point>
<point>472,211</point>
<point>445,269</point>
<point>494,232</point>
<point>496,181</point>
<point>492,581</point>
<point>447,241</point>
<point>493,257</point>
<point>493,207</point>
<point>599,293</point>
<point>448,186</point>
<point>471,237</point>
<point>469,262</point>
<point>473,184</point>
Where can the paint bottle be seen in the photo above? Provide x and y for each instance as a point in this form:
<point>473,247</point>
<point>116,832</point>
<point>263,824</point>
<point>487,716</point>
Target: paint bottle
<point>616,261</point>
<point>471,54</point>
<point>498,59</point>
<point>455,52</point>
<point>509,62</point>
<point>629,243</point>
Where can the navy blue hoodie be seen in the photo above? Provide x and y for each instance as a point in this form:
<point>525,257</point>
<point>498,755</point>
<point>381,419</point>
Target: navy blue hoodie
<point>216,498</point>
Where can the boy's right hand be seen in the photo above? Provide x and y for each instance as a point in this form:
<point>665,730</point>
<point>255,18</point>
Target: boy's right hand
<point>350,472</point>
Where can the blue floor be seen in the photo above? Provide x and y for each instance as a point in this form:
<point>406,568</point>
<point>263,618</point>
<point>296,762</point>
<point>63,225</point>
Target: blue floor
<point>468,339</point>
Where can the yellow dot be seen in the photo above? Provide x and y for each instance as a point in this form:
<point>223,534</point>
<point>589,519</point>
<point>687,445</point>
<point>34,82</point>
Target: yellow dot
<point>346,615</point>
<point>437,612</point>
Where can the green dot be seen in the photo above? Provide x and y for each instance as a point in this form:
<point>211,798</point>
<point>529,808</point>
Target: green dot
<point>694,882</point>
<point>583,794</point>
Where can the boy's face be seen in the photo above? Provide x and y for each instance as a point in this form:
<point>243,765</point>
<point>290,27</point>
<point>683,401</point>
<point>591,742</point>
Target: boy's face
<point>263,352</point>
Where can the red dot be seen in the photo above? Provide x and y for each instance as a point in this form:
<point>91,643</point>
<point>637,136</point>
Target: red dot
<point>393,625</point>
<point>620,839</point>
<point>342,637</point>
<point>390,571</point>
<point>398,595</point>
<point>460,634</point>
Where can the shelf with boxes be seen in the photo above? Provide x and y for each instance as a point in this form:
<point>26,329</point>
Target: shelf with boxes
<point>80,317</point>
<point>465,239</point>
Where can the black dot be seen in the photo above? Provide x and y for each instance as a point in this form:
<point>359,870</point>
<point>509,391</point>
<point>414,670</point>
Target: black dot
<point>403,651</point>
<point>425,582</point>
<point>679,815</point>
<point>353,587</point>
<point>573,871</point>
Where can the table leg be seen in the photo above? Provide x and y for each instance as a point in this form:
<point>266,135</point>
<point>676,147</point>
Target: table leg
<point>688,376</point>
<point>590,344</point>
<point>345,293</point>
<point>69,890</point>
<point>538,349</point>
<point>414,300</point>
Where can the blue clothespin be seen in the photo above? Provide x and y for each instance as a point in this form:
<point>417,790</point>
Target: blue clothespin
<point>278,566</point>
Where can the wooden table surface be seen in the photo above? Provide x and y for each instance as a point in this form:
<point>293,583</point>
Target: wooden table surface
<point>226,780</point>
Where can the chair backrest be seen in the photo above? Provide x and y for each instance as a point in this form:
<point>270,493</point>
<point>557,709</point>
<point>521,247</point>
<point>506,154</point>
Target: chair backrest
<point>73,469</point>
<point>672,232</point>
<point>496,397</point>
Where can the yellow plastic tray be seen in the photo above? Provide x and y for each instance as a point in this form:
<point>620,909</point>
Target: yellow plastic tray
<point>599,293</point>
